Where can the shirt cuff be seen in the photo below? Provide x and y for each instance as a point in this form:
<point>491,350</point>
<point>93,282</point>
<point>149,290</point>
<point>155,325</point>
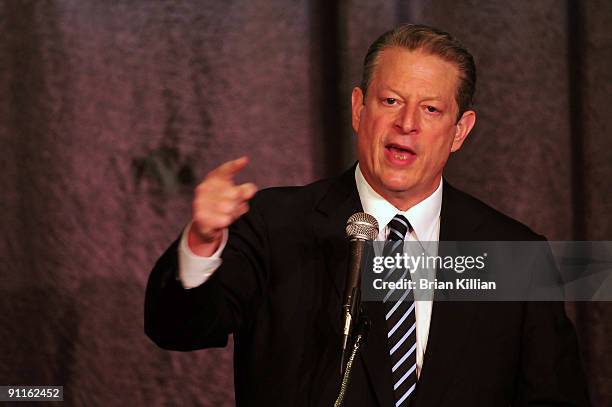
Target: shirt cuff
<point>194,270</point>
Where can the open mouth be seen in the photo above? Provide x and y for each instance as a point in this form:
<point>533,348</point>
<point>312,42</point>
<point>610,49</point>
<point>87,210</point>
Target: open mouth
<point>399,152</point>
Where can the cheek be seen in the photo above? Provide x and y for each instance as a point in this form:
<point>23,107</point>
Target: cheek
<point>372,134</point>
<point>365,147</point>
<point>441,151</point>
<point>373,131</point>
<point>378,131</point>
<point>438,147</point>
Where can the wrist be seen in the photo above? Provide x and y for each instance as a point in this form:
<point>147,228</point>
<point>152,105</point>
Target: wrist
<point>201,245</point>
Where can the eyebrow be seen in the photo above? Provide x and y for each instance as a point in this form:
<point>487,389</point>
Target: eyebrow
<point>428,97</point>
<point>436,98</point>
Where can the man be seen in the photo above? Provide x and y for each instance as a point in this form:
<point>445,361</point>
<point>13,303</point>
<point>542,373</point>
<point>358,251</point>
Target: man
<point>275,280</point>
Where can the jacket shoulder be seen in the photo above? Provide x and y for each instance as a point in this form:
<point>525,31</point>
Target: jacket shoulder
<point>490,223</point>
<point>291,198</point>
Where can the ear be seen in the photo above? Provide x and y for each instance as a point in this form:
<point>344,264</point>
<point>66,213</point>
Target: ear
<point>356,107</point>
<point>463,128</point>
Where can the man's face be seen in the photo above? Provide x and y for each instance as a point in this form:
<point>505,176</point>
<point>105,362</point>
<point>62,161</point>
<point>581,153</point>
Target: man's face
<point>407,127</point>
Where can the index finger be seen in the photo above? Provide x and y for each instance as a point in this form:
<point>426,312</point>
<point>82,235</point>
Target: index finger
<point>230,168</point>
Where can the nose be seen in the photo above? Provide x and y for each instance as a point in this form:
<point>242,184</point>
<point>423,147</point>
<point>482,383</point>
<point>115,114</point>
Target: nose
<point>407,120</point>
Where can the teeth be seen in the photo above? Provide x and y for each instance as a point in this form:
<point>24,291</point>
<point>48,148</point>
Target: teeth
<point>399,154</point>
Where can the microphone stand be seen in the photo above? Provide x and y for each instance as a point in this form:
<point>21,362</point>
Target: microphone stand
<point>351,307</point>
<point>360,229</point>
<point>352,315</point>
<point>360,335</point>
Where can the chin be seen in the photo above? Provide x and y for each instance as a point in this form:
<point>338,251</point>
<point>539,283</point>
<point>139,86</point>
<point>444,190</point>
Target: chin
<point>397,186</point>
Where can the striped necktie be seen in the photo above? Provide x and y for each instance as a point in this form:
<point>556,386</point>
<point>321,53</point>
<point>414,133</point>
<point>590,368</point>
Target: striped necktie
<point>401,321</point>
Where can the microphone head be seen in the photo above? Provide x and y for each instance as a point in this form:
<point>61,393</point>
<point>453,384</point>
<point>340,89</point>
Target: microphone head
<point>361,226</point>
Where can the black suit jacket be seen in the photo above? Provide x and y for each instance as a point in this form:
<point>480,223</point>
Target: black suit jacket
<point>279,292</point>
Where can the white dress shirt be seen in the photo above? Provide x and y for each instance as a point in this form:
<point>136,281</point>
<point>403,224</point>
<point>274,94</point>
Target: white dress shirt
<point>194,270</point>
<point>424,218</point>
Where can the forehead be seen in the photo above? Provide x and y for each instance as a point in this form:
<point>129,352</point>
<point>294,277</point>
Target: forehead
<point>417,71</point>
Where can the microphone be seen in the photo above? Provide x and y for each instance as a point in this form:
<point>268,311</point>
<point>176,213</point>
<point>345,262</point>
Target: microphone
<point>360,228</point>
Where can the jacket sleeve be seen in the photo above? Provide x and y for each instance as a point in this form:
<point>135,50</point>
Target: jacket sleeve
<point>182,319</point>
<point>551,373</point>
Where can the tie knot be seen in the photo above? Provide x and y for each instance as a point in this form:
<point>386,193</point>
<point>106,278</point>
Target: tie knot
<point>398,227</point>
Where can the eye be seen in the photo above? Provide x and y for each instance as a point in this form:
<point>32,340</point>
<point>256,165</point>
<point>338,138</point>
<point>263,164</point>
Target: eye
<point>432,109</point>
<point>389,101</point>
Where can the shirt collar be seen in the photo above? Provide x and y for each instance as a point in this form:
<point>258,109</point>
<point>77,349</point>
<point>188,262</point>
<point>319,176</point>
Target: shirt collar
<point>423,216</point>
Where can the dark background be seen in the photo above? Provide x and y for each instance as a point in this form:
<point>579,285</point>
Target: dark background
<point>111,111</point>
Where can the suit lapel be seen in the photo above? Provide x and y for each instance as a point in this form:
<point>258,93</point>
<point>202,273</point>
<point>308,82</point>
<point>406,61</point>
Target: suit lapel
<point>341,201</point>
<point>451,322</point>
